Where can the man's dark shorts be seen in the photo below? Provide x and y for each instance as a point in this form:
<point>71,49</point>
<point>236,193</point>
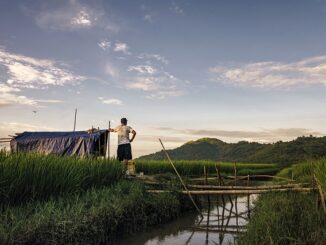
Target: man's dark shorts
<point>124,152</point>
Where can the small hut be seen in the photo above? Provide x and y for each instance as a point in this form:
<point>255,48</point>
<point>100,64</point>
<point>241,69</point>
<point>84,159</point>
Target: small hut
<point>77,143</point>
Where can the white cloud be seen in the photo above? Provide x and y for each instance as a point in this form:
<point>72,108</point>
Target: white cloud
<point>261,135</point>
<point>144,83</point>
<point>110,101</point>
<point>82,19</point>
<point>11,128</point>
<point>73,15</point>
<point>104,44</point>
<point>121,47</point>
<point>306,72</point>
<point>142,69</point>
<point>28,72</point>
<point>176,9</point>
<point>156,57</point>
<point>49,101</point>
<point>158,85</point>
<point>8,97</point>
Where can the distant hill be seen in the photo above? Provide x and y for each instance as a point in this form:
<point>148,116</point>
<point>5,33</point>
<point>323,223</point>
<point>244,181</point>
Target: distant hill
<point>300,149</point>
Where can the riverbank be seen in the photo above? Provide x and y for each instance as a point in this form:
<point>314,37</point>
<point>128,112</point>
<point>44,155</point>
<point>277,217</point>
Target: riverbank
<point>290,218</point>
<point>95,217</point>
<point>67,200</point>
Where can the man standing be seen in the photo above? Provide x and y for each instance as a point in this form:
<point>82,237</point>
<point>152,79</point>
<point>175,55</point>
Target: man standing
<point>124,147</point>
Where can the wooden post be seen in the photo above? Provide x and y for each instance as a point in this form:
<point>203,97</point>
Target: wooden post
<point>320,190</point>
<point>99,141</point>
<point>235,174</point>
<point>183,184</point>
<point>206,182</point>
<point>248,200</point>
<point>218,171</point>
<point>107,151</point>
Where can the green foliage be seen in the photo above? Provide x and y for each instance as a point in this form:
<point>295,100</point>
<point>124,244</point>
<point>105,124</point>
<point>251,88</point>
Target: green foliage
<point>286,218</point>
<point>92,217</point>
<point>284,153</point>
<point>196,168</point>
<point>25,177</point>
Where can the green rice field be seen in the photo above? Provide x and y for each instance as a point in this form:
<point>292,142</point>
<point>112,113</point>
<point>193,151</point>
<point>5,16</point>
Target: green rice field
<point>196,168</point>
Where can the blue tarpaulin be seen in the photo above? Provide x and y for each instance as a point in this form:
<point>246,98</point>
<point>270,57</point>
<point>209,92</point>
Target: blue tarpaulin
<point>79,143</point>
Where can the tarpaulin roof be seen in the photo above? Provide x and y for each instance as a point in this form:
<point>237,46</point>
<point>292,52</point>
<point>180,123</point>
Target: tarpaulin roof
<point>80,143</point>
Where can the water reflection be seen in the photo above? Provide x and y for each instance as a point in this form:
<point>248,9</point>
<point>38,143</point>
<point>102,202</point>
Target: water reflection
<point>224,218</point>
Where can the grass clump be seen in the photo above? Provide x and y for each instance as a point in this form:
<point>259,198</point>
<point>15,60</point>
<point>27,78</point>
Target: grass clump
<point>286,218</point>
<point>25,177</point>
<point>92,217</point>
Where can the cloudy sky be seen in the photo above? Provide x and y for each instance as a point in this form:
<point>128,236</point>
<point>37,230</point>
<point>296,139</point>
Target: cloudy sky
<point>183,69</point>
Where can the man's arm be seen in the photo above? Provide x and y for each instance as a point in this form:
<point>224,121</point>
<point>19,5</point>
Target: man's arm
<point>133,135</point>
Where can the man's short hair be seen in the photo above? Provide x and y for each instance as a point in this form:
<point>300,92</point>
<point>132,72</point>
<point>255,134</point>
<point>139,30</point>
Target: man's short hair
<point>124,120</point>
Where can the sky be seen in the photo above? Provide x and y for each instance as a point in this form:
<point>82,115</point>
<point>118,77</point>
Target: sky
<point>179,70</point>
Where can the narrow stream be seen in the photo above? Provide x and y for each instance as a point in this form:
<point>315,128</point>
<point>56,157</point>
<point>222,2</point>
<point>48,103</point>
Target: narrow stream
<point>222,222</point>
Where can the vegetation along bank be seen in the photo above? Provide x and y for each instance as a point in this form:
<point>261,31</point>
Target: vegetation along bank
<point>55,200</point>
<point>291,218</point>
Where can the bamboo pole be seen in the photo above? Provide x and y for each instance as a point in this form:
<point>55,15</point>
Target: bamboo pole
<point>183,184</point>
<point>206,182</point>
<point>245,177</point>
<point>235,173</point>
<point>107,151</point>
<point>321,193</point>
<point>220,226</point>
<point>223,231</point>
<point>261,187</point>
<point>233,192</point>
<point>248,197</point>
<point>99,141</point>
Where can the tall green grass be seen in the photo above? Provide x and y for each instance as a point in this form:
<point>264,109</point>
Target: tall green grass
<point>25,177</point>
<point>286,218</point>
<point>96,216</point>
<point>304,172</point>
<point>290,218</point>
<point>196,168</point>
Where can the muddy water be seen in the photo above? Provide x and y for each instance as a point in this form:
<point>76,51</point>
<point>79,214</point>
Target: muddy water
<point>222,222</point>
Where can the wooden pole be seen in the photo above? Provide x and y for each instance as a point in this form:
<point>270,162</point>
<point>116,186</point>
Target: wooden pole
<point>99,141</point>
<point>233,192</point>
<point>245,177</point>
<point>183,184</point>
<point>225,187</point>
<point>321,193</point>
<point>107,152</point>
<point>235,174</point>
<point>206,182</point>
<point>248,198</point>
<point>75,119</point>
